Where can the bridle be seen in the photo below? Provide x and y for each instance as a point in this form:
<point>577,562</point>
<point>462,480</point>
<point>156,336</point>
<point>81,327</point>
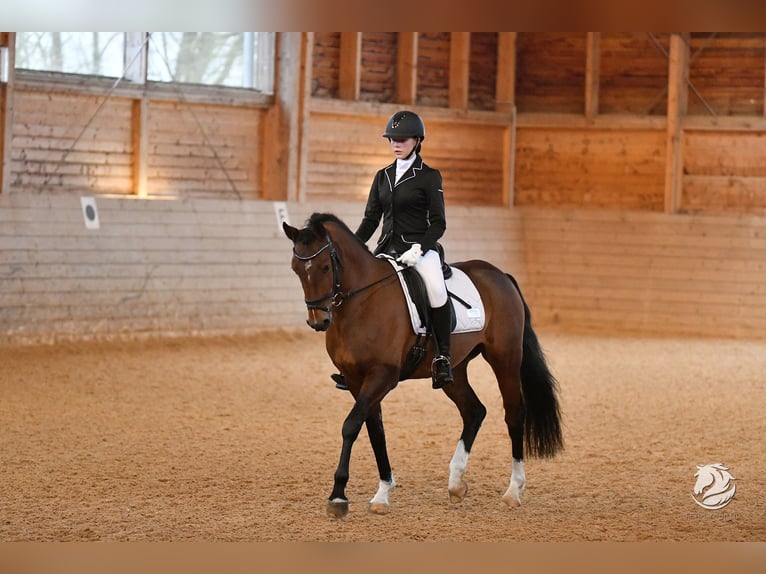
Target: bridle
<point>336,296</point>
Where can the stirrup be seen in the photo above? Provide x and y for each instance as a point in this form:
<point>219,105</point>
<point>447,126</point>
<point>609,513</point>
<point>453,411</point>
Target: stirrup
<point>441,372</point>
<point>340,381</point>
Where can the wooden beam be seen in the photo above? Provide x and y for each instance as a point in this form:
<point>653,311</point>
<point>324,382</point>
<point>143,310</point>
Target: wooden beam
<point>140,144</point>
<point>505,82</point>
<point>350,65</point>
<point>280,130</point>
<point>7,48</point>
<point>592,73</point>
<point>460,55</point>
<point>678,96</point>
<point>406,67</point>
<point>304,116</point>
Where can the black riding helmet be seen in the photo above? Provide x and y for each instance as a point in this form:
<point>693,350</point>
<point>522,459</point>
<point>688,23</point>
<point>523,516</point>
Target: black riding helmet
<point>406,124</point>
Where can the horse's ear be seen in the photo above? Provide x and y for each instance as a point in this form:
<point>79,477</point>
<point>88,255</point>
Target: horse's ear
<point>290,231</point>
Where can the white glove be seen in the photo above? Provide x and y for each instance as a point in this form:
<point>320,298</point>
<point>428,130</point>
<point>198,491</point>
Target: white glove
<point>411,256</point>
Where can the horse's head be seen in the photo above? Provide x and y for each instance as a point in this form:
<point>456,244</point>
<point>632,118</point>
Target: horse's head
<point>317,265</point>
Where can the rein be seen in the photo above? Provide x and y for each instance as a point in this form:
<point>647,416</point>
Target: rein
<point>336,296</point>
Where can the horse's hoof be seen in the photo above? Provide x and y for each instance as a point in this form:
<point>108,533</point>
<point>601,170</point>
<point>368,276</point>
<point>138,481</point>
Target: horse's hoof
<point>457,493</point>
<point>337,508</point>
<point>511,500</point>
<point>378,508</point>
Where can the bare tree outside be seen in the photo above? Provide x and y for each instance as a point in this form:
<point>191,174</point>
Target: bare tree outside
<point>236,59</point>
<point>90,53</point>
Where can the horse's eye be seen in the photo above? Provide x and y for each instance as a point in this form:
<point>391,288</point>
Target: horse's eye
<point>326,269</point>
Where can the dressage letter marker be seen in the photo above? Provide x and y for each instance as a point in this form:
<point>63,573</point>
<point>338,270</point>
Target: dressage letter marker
<point>90,212</point>
<point>280,210</point>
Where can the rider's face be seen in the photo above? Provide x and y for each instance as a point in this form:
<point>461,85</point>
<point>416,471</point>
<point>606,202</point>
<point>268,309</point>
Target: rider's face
<point>402,147</point>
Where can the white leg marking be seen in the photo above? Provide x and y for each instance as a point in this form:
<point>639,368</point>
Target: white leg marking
<point>456,486</point>
<point>458,465</point>
<point>379,502</point>
<point>512,496</point>
<point>384,488</point>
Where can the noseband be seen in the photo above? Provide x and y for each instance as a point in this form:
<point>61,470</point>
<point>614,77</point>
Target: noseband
<point>336,296</point>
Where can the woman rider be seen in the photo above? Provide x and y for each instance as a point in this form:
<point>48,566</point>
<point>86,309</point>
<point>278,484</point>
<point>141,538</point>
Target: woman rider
<point>408,195</point>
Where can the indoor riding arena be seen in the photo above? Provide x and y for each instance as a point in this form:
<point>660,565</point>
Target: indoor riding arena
<point>159,381</point>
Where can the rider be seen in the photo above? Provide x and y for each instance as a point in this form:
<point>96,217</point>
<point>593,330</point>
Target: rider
<point>408,196</point>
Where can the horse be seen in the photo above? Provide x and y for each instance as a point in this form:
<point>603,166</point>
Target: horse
<point>355,298</point>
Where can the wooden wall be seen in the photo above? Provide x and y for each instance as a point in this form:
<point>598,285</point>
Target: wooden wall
<point>558,157</point>
<point>171,267</point>
<point>341,163</point>
<point>56,146</point>
<point>646,273</point>
<point>211,266</point>
<point>551,151</point>
<point>65,140</point>
<point>606,168</point>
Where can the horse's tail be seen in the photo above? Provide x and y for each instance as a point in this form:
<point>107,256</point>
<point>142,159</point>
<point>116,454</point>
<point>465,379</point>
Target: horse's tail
<point>542,429</point>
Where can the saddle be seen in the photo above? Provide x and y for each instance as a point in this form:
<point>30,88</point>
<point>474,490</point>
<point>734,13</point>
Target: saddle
<point>466,307</point>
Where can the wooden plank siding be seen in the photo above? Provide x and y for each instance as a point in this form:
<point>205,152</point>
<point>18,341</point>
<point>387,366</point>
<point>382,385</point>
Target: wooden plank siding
<point>631,272</point>
<point>60,142</point>
<point>343,160</point>
<point>74,142</point>
<point>550,72</point>
<point>159,267</point>
<point>378,66</point>
<point>633,73</point>
<point>724,172</point>
<point>433,69</point>
<point>212,266</point>
<point>556,171</point>
<point>604,168</point>
<point>728,73</point>
<point>204,150</point>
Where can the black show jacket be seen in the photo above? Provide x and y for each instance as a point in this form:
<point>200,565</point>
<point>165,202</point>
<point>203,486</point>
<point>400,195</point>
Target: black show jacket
<point>412,210</point>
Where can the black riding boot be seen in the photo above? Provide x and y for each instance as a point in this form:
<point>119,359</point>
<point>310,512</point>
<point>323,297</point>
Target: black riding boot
<point>441,369</point>
<point>340,381</point>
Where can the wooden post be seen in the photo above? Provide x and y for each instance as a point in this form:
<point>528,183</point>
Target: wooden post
<point>280,130</point>
<point>136,57</point>
<point>304,116</point>
<point>350,65</point>
<point>406,67</point>
<point>460,55</point>
<point>592,71</point>
<point>7,47</point>
<point>140,140</point>
<point>505,83</point>
<point>678,76</point>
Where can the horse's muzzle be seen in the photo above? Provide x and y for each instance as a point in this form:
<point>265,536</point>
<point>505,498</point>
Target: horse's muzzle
<point>319,325</point>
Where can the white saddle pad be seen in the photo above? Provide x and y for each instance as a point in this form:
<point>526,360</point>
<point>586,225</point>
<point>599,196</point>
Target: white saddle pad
<point>468,318</point>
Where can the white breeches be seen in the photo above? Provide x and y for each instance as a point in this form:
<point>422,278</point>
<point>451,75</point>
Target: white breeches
<point>430,269</point>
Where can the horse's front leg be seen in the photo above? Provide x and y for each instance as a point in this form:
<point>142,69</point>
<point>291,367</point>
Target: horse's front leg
<point>379,502</point>
<point>372,391</point>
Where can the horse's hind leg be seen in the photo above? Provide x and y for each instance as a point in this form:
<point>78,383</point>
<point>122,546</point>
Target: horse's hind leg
<point>507,369</point>
<point>379,502</point>
<point>472,412</point>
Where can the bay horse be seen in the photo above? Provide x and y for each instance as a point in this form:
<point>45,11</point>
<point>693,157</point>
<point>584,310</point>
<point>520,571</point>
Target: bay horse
<point>356,299</point>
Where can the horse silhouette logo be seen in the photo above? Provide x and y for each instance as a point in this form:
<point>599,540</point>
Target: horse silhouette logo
<point>715,486</point>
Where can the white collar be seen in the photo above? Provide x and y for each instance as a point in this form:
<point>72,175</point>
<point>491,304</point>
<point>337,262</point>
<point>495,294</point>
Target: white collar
<point>402,165</point>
